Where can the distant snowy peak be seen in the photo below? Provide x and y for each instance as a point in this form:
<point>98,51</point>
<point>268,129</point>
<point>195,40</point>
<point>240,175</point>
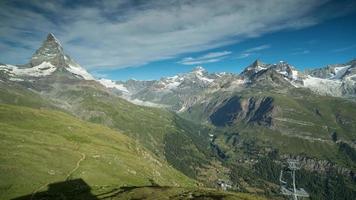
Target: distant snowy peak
<point>336,72</point>
<point>333,80</point>
<point>201,75</point>
<point>257,68</point>
<point>287,70</point>
<point>169,83</point>
<point>253,69</point>
<point>198,76</point>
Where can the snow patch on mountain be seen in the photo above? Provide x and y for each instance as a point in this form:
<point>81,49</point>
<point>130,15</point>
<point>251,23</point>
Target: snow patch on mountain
<point>76,69</point>
<point>205,79</point>
<point>171,82</point>
<point>200,72</point>
<point>15,79</point>
<point>294,74</point>
<point>147,103</point>
<point>112,85</point>
<point>80,72</point>
<point>259,68</point>
<point>339,72</point>
<point>323,86</point>
<point>43,69</point>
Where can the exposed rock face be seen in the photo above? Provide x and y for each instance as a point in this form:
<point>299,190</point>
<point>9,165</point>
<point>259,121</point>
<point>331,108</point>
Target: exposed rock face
<point>227,113</point>
<point>260,111</point>
<point>50,51</point>
<point>251,110</point>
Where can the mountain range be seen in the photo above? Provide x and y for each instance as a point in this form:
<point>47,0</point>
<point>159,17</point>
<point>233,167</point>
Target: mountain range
<point>332,80</point>
<point>187,131</point>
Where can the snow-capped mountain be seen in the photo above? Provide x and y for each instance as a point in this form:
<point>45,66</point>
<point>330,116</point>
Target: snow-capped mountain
<point>177,91</point>
<point>48,60</point>
<point>181,91</point>
<point>253,69</point>
<point>338,71</point>
<point>257,68</point>
<point>168,91</point>
<point>333,80</point>
<point>198,77</point>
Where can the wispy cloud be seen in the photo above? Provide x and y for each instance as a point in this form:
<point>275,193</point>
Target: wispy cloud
<point>344,48</point>
<point>258,48</point>
<point>124,33</point>
<point>251,51</point>
<point>301,52</point>
<point>207,58</point>
<point>243,55</point>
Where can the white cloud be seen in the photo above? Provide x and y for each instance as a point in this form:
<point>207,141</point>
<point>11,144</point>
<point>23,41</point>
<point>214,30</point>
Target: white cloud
<point>117,34</point>
<point>301,52</point>
<point>258,48</point>
<point>344,49</point>
<point>207,58</point>
<point>243,55</point>
<point>251,51</point>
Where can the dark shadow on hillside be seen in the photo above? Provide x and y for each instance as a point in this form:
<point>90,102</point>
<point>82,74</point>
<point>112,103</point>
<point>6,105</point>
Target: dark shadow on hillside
<point>127,189</point>
<point>70,189</point>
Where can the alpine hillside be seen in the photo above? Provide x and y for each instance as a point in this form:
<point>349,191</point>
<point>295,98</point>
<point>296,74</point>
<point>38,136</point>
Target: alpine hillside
<point>180,137</point>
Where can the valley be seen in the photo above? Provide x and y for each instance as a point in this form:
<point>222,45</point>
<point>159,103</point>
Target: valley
<point>177,137</point>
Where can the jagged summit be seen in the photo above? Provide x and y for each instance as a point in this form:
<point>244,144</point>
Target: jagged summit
<point>253,68</point>
<point>257,63</point>
<point>51,37</point>
<point>51,51</point>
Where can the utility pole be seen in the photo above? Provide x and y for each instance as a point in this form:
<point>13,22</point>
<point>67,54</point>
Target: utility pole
<point>293,191</point>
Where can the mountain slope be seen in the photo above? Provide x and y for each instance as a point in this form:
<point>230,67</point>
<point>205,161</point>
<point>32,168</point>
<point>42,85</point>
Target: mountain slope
<point>92,101</point>
<point>254,126</point>
<point>298,114</point>
<point>44,146</point>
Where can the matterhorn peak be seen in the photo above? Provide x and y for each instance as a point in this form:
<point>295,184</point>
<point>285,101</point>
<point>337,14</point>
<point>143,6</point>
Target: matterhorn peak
<point>51,37</point>
<point>50,51</point>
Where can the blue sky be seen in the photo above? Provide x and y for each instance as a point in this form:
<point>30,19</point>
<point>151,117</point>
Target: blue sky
<point>154,38</point>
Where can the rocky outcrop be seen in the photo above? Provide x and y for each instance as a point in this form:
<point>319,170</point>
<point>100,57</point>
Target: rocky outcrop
<point>227,113</point>
<point>50,51</point>
<point>257,110</point>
